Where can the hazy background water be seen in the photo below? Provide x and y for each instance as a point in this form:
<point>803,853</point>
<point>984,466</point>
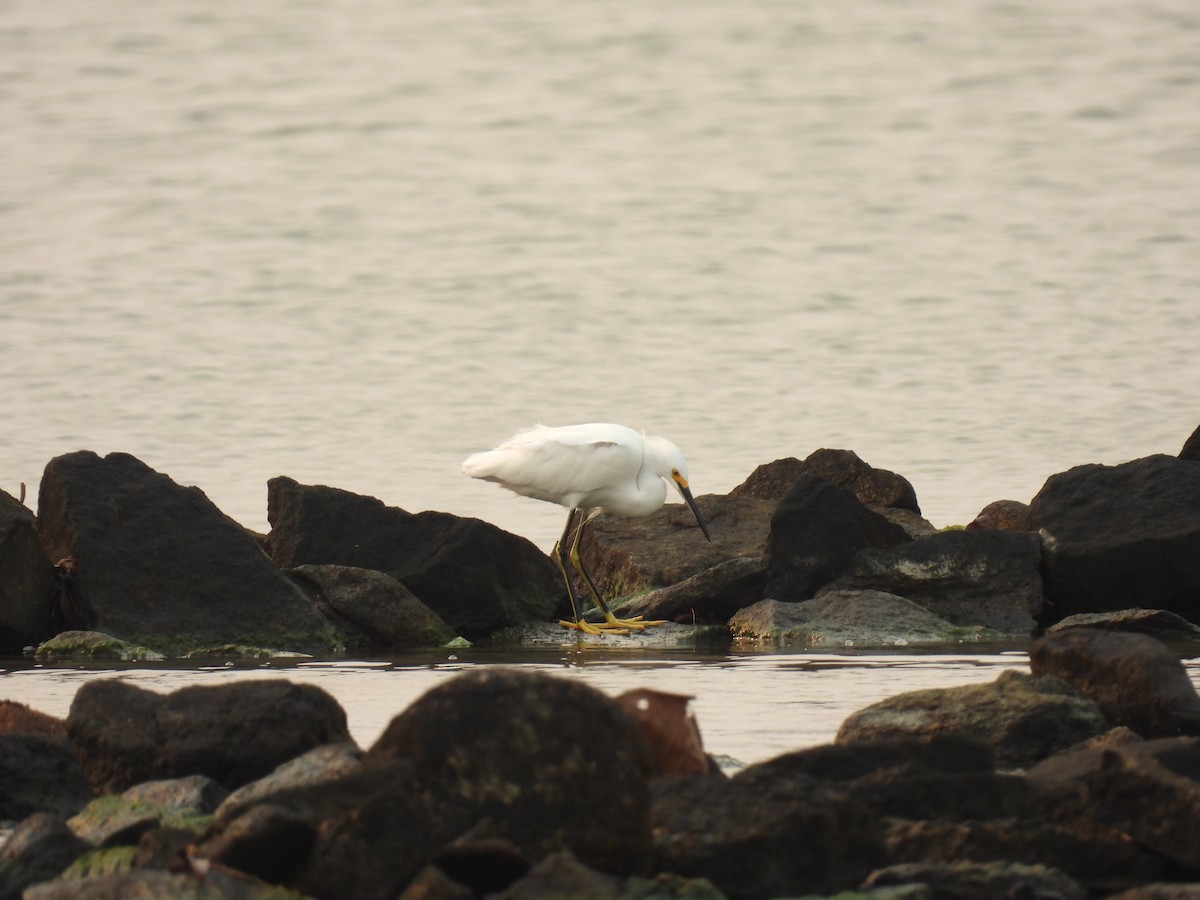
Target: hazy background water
<point>353,242</point>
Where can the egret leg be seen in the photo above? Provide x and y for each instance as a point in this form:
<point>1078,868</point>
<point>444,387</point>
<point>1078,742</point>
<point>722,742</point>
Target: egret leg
<point>612,625</point>
<point>562,551</point>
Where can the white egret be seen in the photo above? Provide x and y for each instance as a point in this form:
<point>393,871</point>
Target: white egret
<point>588,469</point>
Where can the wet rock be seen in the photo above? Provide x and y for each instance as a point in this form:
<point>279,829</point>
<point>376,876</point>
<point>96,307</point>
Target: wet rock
<point>1156,623</point>
<point>551,763</point>
<point>1100,864</point>
<point>1023,719</point>
<point>849,618</point>
<point>1146,791</point>
<point>762,835</point>
<point>233,733</point>
<point>157,563</point>
<point>1118,537</point>
<point>17,718</point>
<point>981,881</point>
<point>319,765</point>
<point>632,556</point>
<point>267,841</point>
<point>668,636</point>
<point>39,773</point>
<point>986,578</point>
<point>94,645</point>
<point>371,609</point>
<point>1134,679</point>
<point>815,532</point>
<point>476,577</point>
<point>38,849</point>
<point>28,585</point>
<point>708,598</point>
<point>843,468</point>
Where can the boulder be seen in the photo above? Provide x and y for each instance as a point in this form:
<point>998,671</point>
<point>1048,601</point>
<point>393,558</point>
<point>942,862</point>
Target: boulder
<point>39,773</point>
<point>1022,718</point>
<point>38,849</point>
<point>987,578</point>
<point>843,468</point>
<point>319,765</point>
<point>28,583</point>
<point>122,819</point>
<point>1000,515</point>
<point>1147,792</point>
<point>849,619</point>
<point>157,563</point>
<point>1191,447</point>
<point>476,577</point>
<point>971,880</point>
<point>1156,623</point>
<point>760,834</point>
<point>94,645</point>
<point>17,718</point>
<point>815,532</point>
<point>495,769</point>
<point>552,763</point>
<point>709,597</point>
<point>1134,679</point>
<point>233,733</point>
<point>371,609</point>
<point>1119,537</point>
<point>632,556</point>
<point>1101,864</point>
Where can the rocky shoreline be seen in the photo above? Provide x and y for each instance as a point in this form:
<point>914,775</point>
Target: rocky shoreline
<point>1080,778</point>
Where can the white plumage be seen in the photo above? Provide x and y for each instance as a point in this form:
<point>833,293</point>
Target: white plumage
<point>588,468</point>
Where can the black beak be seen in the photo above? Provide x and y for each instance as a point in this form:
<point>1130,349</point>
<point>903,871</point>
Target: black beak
<point>691,502</point>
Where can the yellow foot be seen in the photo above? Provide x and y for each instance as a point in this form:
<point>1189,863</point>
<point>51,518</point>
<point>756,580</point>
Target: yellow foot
<point>612,625</point>
<point>601,628</point>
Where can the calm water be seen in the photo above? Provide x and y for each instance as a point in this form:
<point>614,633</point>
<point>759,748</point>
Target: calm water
<point>353,242</point>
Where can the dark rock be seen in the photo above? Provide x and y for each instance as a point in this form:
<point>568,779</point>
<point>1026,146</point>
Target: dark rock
<point>477,577</point>
<point>233,733</point>
<point>38,849</point>
<point>17,718</point>
<point>158,563</point>
<point>631,556</point>
<point>1119,537</point>
<point>1160,891</point>
<point>216,882</point>
<point>1134,679</point>
<point>39,773</point>
<point>1191,447</point>
<point>986,578</point>
<point>551,763</point>
<point>939,777</point>
<point>1147,791</point>
<point>936,754</point>
<point>762,835</point>
<point>1000,515</point>
<point>28,585</point>
<point>706,598</point>
<point>1156,623</point>
<point>432,883</point>
<point>815,532</point>
<point>561,875</point>
<point>318,766</point>
<point>489,865</point>
<point>843,468</point>
<point>267,841</point>
<point>374,831</point>
<point>981,881</point>
<point>849,618</point>
<point>1101,864</point>
<point>371,609</point>
<point>1023,719</point>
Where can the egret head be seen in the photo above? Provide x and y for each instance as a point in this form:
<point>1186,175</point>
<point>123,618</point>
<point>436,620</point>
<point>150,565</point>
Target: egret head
<point>673,467</point>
